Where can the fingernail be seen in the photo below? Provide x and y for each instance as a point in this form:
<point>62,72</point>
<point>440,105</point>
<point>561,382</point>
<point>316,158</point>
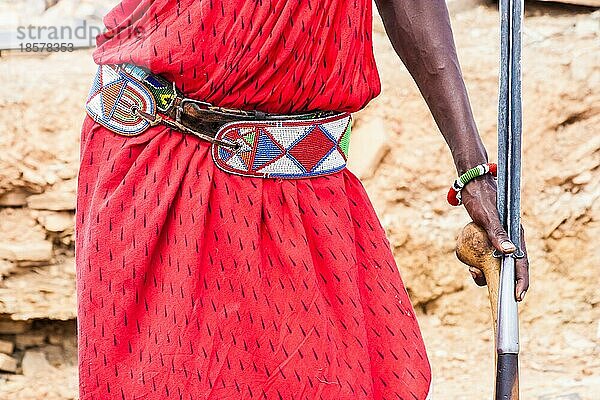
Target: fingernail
<point>507,246</point>
<point>523,295</point>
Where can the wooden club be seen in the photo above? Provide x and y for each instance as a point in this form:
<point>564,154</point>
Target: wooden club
<point>474,249</point>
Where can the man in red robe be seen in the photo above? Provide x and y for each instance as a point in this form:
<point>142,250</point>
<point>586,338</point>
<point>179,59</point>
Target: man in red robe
<point>198,284</point>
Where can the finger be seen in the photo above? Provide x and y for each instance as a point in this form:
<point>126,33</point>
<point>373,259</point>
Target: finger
<point>498,236</point>
<point>522,278</point>
<point>478,276</point>
<point>522,272</point>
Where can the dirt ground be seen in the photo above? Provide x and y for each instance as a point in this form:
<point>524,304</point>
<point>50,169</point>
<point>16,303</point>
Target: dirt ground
<point>560,318</point>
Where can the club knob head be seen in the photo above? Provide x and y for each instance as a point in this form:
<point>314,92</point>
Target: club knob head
<point>474,248</point>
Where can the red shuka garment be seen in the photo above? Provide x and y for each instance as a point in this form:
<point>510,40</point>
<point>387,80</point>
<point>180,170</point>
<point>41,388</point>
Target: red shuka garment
<point>272,55</point>
<point>196,284</point>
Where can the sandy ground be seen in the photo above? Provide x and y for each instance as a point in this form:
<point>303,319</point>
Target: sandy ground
<point>560,319</point>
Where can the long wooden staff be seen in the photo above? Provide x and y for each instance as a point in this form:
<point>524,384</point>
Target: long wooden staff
<point>473,246</point>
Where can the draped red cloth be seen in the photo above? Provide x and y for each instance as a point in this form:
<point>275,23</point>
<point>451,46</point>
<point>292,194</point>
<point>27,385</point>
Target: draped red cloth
<point>276,56</point>
<point>193,283</point>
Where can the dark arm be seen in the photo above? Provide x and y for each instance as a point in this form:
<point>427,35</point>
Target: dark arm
<point>421,35</point>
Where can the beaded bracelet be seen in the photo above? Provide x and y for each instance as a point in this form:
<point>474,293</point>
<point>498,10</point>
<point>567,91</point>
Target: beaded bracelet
<point>454,197</point>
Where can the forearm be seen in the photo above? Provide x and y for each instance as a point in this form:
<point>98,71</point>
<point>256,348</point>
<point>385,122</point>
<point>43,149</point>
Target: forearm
<point>420,33</point>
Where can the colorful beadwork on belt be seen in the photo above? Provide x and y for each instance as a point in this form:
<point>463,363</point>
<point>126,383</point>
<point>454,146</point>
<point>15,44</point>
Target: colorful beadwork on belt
<point>164,93</point>
<point>285,149</point>
<point>113,95</point>
<point>454,197</point>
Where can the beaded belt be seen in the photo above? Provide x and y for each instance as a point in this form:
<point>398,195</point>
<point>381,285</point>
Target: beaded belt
<point>128,100</point>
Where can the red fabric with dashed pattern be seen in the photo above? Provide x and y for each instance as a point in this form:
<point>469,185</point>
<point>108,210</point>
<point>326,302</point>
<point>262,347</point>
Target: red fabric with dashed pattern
<point>196,284</point>
<point>275,56</point>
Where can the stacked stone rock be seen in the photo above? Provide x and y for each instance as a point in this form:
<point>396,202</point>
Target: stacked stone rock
<point>37,284</point>
<point>36,273</point>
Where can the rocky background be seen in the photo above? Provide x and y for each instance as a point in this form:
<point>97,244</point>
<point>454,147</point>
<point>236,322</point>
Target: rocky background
<point>405,166</point>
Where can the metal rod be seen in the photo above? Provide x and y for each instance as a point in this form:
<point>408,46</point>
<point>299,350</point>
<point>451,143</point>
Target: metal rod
<point>503,111</point>
<point>508,320</point>
<point>508,200</point>
<point>514,211</point>
<point>508,325</point>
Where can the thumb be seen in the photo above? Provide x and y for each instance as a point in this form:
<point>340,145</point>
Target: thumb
<point>499,238</point>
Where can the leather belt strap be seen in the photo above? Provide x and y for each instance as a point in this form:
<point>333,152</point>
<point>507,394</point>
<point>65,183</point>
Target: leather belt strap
<point>199,116</point>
